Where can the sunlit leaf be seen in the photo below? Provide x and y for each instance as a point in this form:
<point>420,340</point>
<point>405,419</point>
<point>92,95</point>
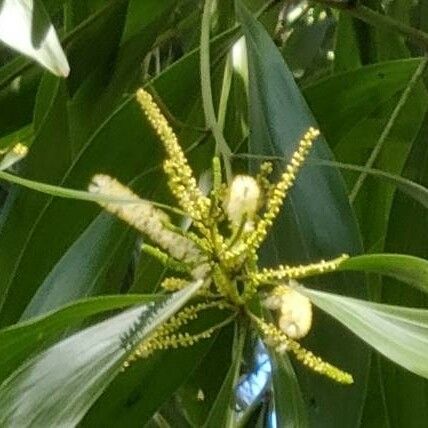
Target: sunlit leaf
<point>399,333</point>
<point>25,26</point>
<point>64,381</point>
<point>409,269</point>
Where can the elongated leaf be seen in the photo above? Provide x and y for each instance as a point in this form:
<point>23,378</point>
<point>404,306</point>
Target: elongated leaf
<point>22,340</point>
<point>290,410</point>
<point>223,412</point>
<point>132,398</point>
<point>25,26</point>
<point>409,269</point>
<point>60,388</point>
<point>357,94</point>
<point>318,222</point>
<point>81,268</point>
<point>197,396</point>
<point>399,333</point>
<point>406,394</point>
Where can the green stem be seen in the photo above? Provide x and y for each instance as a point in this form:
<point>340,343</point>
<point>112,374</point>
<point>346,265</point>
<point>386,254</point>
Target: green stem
<point>207,96</point>
<point>388,128</point>
<point>376,19</point>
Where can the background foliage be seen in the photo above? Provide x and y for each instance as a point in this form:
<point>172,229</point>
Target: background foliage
<point>356,71</point>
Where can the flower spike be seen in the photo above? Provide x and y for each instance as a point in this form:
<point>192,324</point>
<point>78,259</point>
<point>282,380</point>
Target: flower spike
<point>144,217</point>
<point>279,192</point>
<point>181,181</point>
<point>276,339</point>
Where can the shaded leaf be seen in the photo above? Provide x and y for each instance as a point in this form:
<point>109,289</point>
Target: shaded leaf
<point>318,222</point>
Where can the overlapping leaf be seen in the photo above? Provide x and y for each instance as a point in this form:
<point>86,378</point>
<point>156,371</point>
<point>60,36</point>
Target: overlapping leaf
<point>58,386</point>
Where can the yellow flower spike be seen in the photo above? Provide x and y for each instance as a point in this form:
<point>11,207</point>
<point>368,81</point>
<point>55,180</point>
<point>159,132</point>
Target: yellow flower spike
<point>276,199</point>
<point>174,284</point>
<point>20,150</point>
<point>167,335</point>
<point>266,276</point>
<point>277,340</point>
<point>181,181</point>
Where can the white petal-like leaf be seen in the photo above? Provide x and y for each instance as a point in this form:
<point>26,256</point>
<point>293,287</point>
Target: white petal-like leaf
<point>25,27</point>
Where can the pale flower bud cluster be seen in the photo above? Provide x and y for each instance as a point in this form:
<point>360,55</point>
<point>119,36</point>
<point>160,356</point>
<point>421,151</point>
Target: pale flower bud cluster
<point>295,310</point>
<point>243,200</point>
<point>143,216</point>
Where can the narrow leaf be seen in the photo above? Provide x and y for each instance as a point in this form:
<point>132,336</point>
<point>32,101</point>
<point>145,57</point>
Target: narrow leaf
<point>399,333</point>
<point>22,340</point>
<point>63,382</point>
<point>25,27</point>
<point>409,269</point>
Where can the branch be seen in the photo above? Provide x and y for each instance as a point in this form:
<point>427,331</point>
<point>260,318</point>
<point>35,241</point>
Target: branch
<point>376,19</point>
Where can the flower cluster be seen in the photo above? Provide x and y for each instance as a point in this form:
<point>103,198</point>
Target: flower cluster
<point>228,227</point>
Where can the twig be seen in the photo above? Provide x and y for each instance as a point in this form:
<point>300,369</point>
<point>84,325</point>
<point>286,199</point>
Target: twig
<point>377,19</point>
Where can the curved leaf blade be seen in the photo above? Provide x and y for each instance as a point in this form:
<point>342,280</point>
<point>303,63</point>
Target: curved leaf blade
<point>25,27</point>
<point>399,333</point>
<point>21,340</point>
<point>63,382</point>
<point>409,269</point>
<point>318,221</point>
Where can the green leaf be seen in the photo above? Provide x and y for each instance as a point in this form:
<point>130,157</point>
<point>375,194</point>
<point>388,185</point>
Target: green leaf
<point>415,190</point>
<point>399,333</point>
<point>83,266</point>
<point>197,396</point>
<point>357,94</point>
<point>59,388</point>
<point>290,410</point>
<point>409,269</point>
<point>22,340</point>
<point>406,394</point>
<point>223,413</point>
<point>133,398</point>
<point>318,222</point>
<point>47,160</point>
<point>25,27</point>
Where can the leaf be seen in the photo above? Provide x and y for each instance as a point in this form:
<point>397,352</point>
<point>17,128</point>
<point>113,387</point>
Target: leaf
<point>82,267</point>
<point>399,333</point>
<point>47,160</point>
<point>357,94</point>
<point>223,413</point>
<point>346,52</point>
<point>58,389</point>
<point>20,341</point>
<point>409,269</point>
<point>132,398</point>
<point>25,27</point>
<point>290,410</point>
<point>197,396</point>
<point>318,222</point>
<point>406,394</point>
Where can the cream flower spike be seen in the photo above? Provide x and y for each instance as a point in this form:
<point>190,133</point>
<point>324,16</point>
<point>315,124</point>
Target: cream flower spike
<point>143,216</point>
